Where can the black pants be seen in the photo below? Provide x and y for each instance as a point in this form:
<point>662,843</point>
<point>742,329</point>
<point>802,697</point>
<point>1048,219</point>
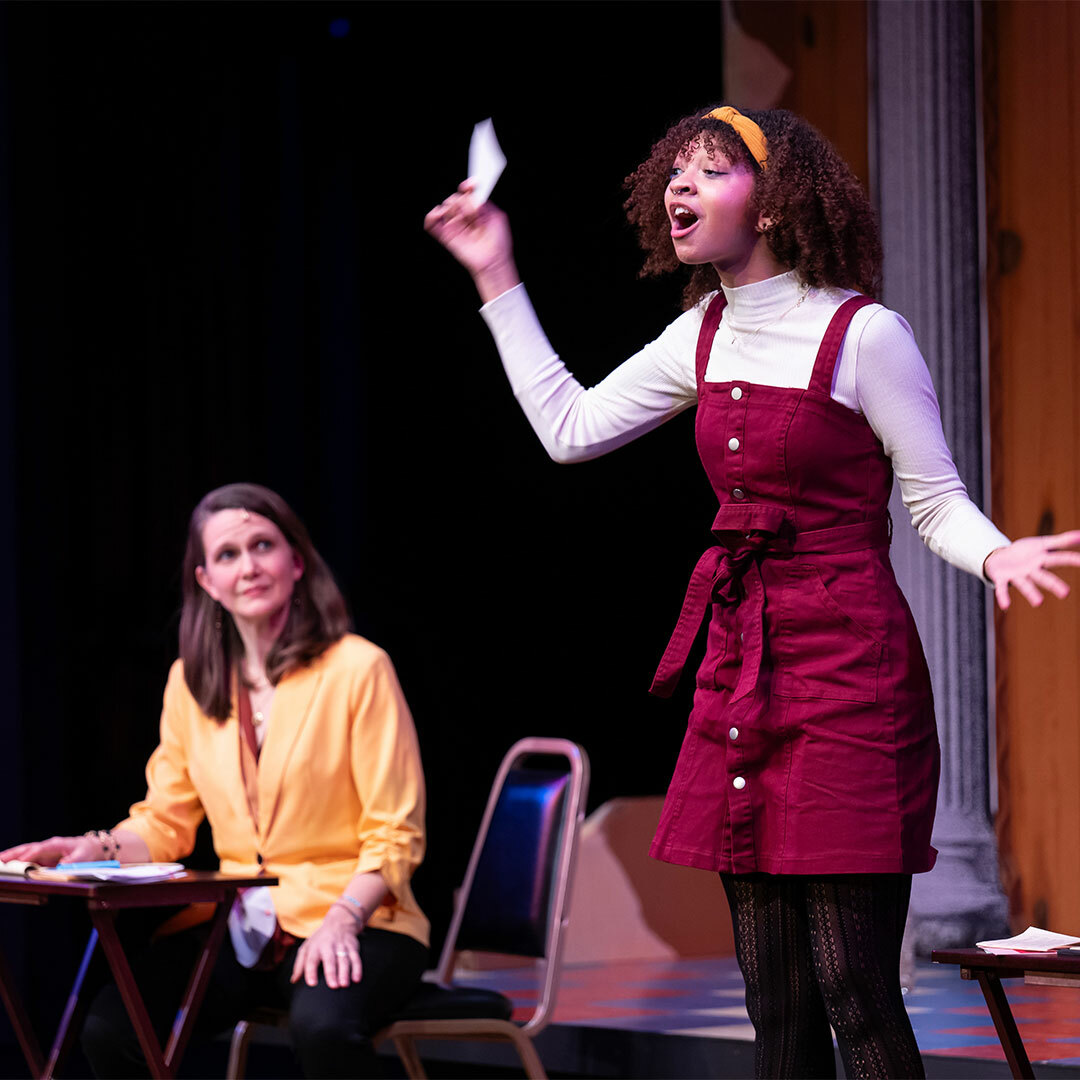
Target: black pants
<point>816,951</point>
<point>331,1029</point>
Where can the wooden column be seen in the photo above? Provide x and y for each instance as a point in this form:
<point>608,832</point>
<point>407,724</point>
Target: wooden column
<point>1033,160</point>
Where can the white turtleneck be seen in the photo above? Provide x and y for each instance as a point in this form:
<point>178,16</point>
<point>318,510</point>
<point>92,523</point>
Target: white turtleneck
<point>769,335</point>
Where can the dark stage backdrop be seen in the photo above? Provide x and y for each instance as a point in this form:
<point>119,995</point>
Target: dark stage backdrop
<point>214,268</point>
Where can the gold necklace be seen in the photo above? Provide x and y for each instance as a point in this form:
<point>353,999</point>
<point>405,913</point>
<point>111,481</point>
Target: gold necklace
<point>258,715</point>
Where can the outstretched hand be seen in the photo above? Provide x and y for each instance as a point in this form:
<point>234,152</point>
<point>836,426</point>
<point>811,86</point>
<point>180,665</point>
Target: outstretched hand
<point>478,236</point>
<point>1023,564</point>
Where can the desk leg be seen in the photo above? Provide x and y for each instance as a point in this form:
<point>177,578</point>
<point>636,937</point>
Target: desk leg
<point>1011,1043</point>
<point>19,1020</point>
<point>105,924</point>
<point>200,978</point>
<point>71,1021</point>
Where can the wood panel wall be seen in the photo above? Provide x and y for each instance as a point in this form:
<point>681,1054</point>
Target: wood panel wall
<point>824,45</point>
<point>1033,172</point>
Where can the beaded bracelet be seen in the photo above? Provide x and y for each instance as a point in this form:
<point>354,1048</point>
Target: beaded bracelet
<point>360,914</point>
<point>110,846</point>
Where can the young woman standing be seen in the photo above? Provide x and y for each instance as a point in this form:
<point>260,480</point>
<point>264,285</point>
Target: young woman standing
<point>808,774</point>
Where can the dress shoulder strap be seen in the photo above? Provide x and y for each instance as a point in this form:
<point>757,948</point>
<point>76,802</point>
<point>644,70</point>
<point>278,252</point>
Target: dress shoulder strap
<point>713,314</point>
<point>822,378</point>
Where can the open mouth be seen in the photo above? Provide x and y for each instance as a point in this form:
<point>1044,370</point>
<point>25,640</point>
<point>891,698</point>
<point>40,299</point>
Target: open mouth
<point>683,219</point>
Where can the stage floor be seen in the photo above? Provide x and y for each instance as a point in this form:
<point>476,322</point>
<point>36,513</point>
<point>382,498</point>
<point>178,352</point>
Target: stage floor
<point>687,1018</point>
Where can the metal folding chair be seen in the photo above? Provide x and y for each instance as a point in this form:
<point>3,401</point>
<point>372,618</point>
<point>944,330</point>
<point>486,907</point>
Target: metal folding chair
<point>514,901</point>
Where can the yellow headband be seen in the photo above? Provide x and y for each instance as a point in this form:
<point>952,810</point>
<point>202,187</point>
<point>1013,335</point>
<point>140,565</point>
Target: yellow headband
<point>748,131</point>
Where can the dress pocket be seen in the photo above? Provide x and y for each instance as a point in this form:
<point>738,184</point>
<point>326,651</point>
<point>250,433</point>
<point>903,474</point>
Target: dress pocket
<point>819,651</point>
<point>719,670</point>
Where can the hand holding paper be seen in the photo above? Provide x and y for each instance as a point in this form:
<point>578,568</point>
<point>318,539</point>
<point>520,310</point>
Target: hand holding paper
<point>473,230</point>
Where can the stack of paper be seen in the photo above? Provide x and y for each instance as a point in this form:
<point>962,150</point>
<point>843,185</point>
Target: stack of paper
<point>1032,940</point>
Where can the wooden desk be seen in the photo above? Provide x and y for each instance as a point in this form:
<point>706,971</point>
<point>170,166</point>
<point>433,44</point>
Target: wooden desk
<point>104,901</point>
<point>1039,969</point>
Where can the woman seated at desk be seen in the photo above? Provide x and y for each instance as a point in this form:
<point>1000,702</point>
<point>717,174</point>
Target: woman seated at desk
<point>294,739</point>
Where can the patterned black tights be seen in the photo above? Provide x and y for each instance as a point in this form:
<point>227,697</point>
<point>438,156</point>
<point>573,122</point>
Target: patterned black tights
<point>821,950</point>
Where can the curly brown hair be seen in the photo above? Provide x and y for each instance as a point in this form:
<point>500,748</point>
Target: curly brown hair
<point>821,221</point>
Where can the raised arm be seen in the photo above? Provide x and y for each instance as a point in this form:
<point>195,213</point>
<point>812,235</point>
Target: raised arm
<point>479,238</point>
<point>572,422</point>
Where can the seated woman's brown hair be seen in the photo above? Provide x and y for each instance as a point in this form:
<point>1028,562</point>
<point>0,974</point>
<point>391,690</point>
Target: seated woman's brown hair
<point>209,643</point>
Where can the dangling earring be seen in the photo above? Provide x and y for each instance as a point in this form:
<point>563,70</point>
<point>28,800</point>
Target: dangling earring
<point>217,618</point>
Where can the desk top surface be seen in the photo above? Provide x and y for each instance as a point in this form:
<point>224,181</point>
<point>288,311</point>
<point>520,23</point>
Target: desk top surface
<point>192,886</point>
<point>976,958</point>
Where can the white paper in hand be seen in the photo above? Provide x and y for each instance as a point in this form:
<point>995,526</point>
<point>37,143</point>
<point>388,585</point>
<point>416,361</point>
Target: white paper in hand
<point>486,160</point>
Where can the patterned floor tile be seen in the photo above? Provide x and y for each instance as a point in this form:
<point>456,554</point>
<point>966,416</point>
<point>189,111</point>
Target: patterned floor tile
<point>695,997</point>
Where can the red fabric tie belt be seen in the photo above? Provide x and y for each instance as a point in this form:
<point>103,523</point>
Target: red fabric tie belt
<point>730,573</point>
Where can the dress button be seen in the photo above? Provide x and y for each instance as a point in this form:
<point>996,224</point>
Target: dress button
<point>733,733</point>
<point>738,783</point>
<point>733,444</point>
<point>738,493</point>
<point>736,392</point>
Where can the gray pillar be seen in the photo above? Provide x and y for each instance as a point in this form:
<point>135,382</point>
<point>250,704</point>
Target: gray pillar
<point>926,150</point>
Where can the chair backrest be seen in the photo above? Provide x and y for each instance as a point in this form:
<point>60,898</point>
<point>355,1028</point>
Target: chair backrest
<point>517,887</point>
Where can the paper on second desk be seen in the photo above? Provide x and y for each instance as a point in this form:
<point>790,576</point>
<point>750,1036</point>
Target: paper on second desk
<point>486,160</point>
<point>1033,939</point>
<point>132,872</point>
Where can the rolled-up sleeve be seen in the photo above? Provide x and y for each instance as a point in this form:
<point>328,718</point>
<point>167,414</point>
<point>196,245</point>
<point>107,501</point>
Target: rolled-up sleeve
<point>169,817</point>
<point>389,778</point>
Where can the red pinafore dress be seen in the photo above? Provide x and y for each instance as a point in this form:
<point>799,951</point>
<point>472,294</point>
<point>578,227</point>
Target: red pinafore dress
<point>812,746</point>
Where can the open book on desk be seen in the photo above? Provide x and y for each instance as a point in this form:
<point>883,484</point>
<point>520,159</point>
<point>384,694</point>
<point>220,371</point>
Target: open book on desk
<point>16,868</point>
<point>127,873</point>
<point>1032,940</point>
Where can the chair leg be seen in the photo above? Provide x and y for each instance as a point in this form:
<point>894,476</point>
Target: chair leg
<point>530,1059</point>
<point>238,1051</point>
<point>410,1059</point>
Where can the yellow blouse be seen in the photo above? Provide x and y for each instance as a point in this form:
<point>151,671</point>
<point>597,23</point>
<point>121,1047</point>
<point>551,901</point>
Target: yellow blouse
<point>340,788</point>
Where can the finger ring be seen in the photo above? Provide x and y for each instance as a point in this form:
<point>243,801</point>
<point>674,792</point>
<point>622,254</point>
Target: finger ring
<point>342,952</point>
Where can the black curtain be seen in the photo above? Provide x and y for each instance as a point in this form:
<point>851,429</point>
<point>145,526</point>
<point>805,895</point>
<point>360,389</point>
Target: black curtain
<point>213,268</point>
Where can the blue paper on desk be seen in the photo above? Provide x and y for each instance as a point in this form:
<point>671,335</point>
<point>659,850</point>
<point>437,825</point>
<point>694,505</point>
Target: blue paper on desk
<point>127,874</point>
